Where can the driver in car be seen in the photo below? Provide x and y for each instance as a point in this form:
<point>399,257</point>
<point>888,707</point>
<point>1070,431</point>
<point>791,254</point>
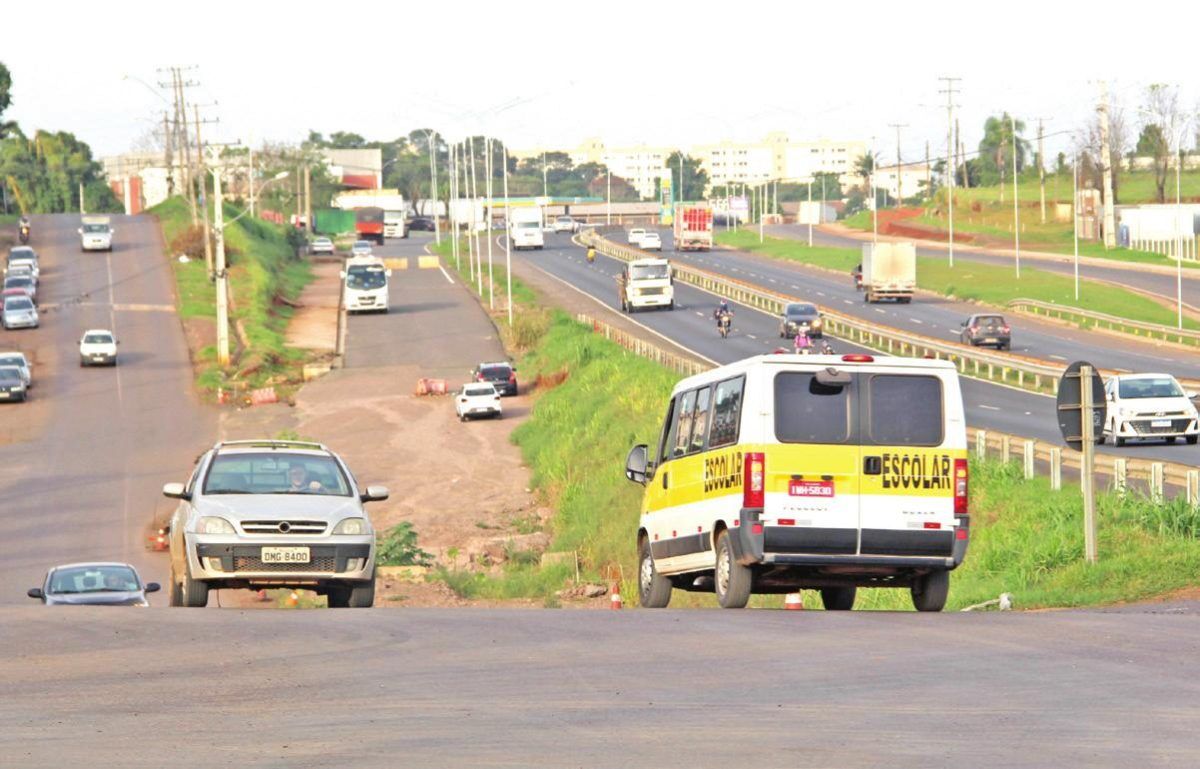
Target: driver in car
<point>299,483</point>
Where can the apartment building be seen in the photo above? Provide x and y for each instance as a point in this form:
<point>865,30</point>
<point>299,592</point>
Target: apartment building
<point>641,165</point>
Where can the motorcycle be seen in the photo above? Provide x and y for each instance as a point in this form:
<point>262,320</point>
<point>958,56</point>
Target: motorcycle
<point>724,323</point>
<point>591,255</point>
<point>24,234</point>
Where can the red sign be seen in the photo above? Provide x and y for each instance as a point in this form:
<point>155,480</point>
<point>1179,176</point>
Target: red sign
<point>810,488</point>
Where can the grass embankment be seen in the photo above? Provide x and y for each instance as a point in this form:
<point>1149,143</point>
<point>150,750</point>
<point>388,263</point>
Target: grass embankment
<point>264,276</point>
<point>974,281</point>
<point>1026,539</point>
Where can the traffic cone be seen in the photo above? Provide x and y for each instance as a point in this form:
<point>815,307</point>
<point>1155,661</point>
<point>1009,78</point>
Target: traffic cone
<point>614,602</point>
<point>294,599</point>
<point>793,602</point>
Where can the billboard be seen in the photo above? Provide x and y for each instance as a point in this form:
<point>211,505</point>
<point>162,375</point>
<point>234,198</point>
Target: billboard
<point>666,202</point>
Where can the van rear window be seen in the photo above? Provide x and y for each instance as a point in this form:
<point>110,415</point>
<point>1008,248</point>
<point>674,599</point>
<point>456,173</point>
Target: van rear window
<point>905,410</point>
<point>807,411</point>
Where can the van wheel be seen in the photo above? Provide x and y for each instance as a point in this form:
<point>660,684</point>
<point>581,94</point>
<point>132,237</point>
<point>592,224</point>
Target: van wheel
<point>1118,440</point>
<point>193,591</point>
<point>1191,439</point>
<point>929,591</point>
<point>838,598</point>
<point>732,581</point>
<point>654,590</point>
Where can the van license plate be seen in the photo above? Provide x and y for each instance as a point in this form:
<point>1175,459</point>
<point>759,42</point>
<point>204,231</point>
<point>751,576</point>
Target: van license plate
<point>810,488</point>
<point>285,555</point>
<point>1161,423</point>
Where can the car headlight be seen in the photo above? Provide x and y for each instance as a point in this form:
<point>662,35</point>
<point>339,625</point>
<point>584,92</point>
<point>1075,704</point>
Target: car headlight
<point>351,526</point>
<point>211,524</point>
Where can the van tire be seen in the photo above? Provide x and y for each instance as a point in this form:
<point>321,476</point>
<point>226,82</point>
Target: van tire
<point>737,579</point>
<point>929,592</point>
<point>838,598</point>
<point>654,590</point>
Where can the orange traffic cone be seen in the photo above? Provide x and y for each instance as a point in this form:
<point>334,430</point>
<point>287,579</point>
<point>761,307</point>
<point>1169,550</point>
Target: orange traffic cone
<point>793,602</point>
<point>294,599</point>
<point>615,601</point>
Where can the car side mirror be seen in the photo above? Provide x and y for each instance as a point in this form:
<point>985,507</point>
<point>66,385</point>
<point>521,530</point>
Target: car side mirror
<point>80,230</point>
<point>153,587</point>
<point>342,274</point>
<point>175,491</point>
<point>374,494</point>
<point>35,592</point>
<point>635,464</point>
<point>388,273</point>
<point>963,323</point>
<point>1191,395</point>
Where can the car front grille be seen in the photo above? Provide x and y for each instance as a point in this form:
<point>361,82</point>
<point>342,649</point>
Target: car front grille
<point>652,291</point>
<point>254,563</point>
<point>1146,427</point>
<point>284,526</point>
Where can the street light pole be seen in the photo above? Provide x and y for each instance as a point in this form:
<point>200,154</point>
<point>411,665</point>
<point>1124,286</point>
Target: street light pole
<point>1012,122</point>
<point>508,240</point>
<point>220,273</point>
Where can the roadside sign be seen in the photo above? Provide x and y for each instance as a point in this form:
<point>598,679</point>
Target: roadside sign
<point>666,205</point>
<point>1071,406</point>
<point>810,212</point>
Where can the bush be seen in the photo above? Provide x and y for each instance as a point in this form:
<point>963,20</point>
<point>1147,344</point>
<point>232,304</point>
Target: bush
<point>189,241</point>
<point>398,547</point>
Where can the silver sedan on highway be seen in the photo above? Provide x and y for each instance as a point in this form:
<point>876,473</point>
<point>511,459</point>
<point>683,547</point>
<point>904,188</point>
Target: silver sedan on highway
<point>93,584</point>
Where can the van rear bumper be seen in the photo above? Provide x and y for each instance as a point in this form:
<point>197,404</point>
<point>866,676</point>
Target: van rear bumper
<point>891,561</point>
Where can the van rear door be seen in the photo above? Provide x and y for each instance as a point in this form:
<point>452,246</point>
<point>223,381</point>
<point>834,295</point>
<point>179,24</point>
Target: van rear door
<point>908,464</point>
<point>812,483</point>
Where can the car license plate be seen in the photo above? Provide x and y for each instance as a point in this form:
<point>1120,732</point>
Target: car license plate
<point>1161,423</point>
<point>285,555</point>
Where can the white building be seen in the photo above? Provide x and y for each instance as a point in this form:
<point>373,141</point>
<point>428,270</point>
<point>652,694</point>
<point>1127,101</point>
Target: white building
<point>804,160</point>
<point>640,165</point>
<point>905,183</point>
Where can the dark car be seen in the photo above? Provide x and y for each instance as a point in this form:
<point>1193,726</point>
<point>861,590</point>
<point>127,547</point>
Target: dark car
<point>801,316</point>
<point>421,224</point>
<point>12,385</point>
<point>93,584</point>
<point>979,330</point>
<point>502,375</point>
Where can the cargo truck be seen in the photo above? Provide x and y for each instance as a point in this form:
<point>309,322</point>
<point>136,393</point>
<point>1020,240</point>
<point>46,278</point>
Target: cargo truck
<point>646,283</point>
<point>693,227</point>
<point>393,224</point>
<point>96,233</point>
<point>889,271</point>
<point>525,227</point>
<point>368,224</point>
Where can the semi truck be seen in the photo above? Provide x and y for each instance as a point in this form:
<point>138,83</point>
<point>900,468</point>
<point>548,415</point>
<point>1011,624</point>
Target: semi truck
<point>693,227</point>
<point>889,271</point>
<point>525,227</point>
<point>646,283</point>
<point>390,202</point>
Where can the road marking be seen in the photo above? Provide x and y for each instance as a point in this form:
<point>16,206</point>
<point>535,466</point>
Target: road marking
<point>989,408</point>
<point>448,278</point>
<point>772,280</point>
<point>847,301</point>
<point>819,293</point>
<point>427,262</point>
<point>751,336</point>
<point>917,320</point>
<point>396,262</point>
<point>881,312</point>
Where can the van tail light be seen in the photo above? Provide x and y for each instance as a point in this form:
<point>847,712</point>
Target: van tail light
<point>754,480</point>
<point>960,487</point>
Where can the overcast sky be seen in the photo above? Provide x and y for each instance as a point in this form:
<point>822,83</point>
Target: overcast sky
<point>670,74</point>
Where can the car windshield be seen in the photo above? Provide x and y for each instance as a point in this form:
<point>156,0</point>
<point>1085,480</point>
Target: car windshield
<point>322,242</point>
<point>366,278</point>
<point>1158,387</point>
<point>527,225</point>
<point>989,320</point>
<point>97,339</point>
<point>564,219</point>
<point>477,390</point>
<point>801,309</point>
<point>362,244</point>
<point>17,303</point>
<point>649,271</point>
<point>95,228</point>
<point>9,375</point>
<point>18,282</point>
<point>650,236</point>
<point>496,372</point>
<point>94,579</point>
<point>21,252</point>
<point>275,472</point>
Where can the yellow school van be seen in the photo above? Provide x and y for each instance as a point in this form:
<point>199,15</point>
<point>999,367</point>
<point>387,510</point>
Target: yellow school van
<point>782,472</point>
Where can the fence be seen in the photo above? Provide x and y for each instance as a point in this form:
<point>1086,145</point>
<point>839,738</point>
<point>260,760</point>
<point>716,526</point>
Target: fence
<point>676,363</point>
<point>1110,322</point>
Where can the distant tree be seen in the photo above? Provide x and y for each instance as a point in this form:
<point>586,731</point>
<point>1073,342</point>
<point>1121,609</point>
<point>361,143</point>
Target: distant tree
<point>996,148</point>
<point>694,181</point>
<point>864,166</point>
<point>346,140</point>
<point>1162,107</point>
<point>6,127</point>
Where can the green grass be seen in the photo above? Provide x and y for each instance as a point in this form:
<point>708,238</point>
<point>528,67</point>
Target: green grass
<point>988,283</point>
<point>262,269</point>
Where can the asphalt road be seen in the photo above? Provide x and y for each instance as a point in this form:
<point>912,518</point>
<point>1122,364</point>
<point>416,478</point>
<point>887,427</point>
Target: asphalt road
<point>1156,283</point>
<point>86,477</point>
<point>542,688</point>
<point>989,406</point>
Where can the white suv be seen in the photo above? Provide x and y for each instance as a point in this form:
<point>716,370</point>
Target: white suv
<point>635,236</point>
<point>261,514</point>
<point>1150,406</point>
<point>98,347</point>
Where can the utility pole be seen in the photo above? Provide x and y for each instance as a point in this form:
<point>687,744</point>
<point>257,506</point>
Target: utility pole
<point>169,156</point>
<point>1042,166</point>
<point>221,273</point>
<point>899,165</point>
<point>208,251</point>
<point>1110,239</point>
<point>177,86</point>
<point>962,156</point>
<point>250,177</point>
<point>308,229</point>
<point>928,172</point>
<point>508,239</point>
<point>433,191</point>
<point>950,91</point>
<point>487,167</point>
<point>1012,123</point>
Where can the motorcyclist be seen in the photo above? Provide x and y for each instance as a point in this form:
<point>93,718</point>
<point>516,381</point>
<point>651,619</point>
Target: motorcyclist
<point>591,254</point>
<point>722,309</point>
<point>24,226</point>
<point>802,343</point>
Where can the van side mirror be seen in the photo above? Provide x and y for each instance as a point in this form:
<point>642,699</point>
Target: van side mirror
<point>1191,395</point>
<point>831,377</point>
<point>635,464</point>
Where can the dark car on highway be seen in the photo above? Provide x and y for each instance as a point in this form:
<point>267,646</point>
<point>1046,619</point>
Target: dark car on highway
<point>421,224</point>
<point>801,316</point>
<point>93,584</point>
<point>502,375</point>
<point>979,330</point>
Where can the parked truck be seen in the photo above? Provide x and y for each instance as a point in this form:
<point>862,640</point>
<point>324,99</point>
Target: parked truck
<point>693,227</point>
<point>525,227</point>
<point>368,224</point>
<point>390,202</point>
<point>646,283</point>
<point>889,271</point>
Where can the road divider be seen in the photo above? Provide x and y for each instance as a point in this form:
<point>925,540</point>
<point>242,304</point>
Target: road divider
<point>1022,372</point>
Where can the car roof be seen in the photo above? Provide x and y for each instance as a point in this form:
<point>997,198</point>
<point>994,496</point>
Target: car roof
<point>1143,376</point>
<point>97,331</point>
<point>271,444</point>
<point>6,353</point>
<point>496,363</point>
<point>82,564</point>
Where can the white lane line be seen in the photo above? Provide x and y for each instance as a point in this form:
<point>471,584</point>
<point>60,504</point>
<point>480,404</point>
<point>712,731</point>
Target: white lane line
<point>989,408</point>
<point>448,278</point>
<point>881,312</point>
<point>847,301</point>
<point>920,322</point>
<point>700,314</point>
<point>819,293</point>
<point>772,280</point>
<point>1058,357</point>
<point>751,336</point>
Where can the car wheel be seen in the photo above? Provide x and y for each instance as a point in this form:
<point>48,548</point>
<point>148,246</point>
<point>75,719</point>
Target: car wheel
<point>1118,440</point>
<point>195,592</point>
<point>929,592</point>
<point>732,580</point>
<point>1191,439</point>
<point>357,596</point>
<point>654,590</point>
<point>838,598</point>
<point>175,594</point>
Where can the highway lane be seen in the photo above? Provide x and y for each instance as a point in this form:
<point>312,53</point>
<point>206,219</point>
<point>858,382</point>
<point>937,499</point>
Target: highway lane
<point>88,479</point>
<point>1156,283</point>
<point>989,406</point>
<point>540,688</point>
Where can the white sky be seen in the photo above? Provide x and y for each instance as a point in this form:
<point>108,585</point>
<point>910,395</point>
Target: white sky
<point>624,71</point>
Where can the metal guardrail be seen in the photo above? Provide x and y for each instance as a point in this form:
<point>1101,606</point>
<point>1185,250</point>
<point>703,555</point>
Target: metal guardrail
<point>1111,322</point>
<point>676,363</point>
<point>1018,371</point>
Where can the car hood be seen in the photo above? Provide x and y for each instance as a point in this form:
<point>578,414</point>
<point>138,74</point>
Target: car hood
<point>130,598</point>
<point>99,347</point>
<point>249,507</point>
<point>802,318</point>
<point>1155,405</point>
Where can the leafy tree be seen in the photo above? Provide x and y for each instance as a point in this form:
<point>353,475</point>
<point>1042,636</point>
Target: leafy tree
<point>6,127</point>
<point>995,151</point>
<point>864,166</point>
<point>1162,105</point>
<point>694,181</point>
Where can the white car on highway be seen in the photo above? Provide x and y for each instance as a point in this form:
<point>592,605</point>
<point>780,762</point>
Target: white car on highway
<point>477,399</point>
<point>321,245</point>
<point>98,347</point>
<point>279,514</point>
<point>18,361</point>
<point>1151,407</point>
<point>23,256</point>
<point>651,241</point>
<point>634,238</point>
<point>20,312</point>
<point>360,248</point>
<point>565,224</point>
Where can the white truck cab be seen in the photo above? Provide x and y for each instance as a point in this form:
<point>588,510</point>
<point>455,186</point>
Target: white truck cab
<point>525,228</point>
<point>646,283</point>
<point>96,233</point>
<point>365,287</point>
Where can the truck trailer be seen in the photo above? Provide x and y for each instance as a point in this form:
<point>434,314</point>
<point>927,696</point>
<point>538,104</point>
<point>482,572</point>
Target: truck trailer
<point>693,227</point>
<point>889,271</point>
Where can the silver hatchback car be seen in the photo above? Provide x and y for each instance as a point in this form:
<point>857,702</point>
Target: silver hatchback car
<point>266,513</point>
